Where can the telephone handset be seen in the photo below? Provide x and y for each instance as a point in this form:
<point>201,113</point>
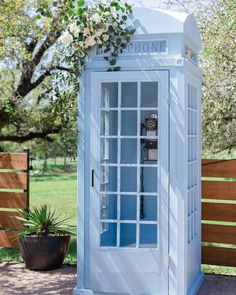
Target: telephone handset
<point>149,129</point>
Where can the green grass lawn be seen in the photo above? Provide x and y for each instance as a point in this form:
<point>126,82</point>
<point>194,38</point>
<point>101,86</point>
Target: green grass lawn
<point>59,191</point>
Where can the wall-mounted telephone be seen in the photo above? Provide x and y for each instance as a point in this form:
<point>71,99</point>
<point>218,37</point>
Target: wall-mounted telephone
<point>149,129</point>
<point>148,150</point>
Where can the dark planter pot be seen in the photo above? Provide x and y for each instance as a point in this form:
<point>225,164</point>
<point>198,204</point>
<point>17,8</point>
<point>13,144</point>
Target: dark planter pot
<point>44,253</point>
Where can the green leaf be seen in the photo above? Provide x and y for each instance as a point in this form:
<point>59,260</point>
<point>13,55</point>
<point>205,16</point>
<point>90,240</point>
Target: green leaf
<point>113,62</point>
<point>107,49</point>
<point>37,17</point>
<point>123,45</point>
<point>111,29</point>
<point>106,58</point>
<point>79,11</point>
<point>118,41</point>
<point>80,3</point>
<point>70,13</point>
<point>70,4</point>
<point>132,31</point>
<point>117,69</point>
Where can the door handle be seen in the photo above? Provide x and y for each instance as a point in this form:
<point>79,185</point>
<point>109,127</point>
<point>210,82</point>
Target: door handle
<point>92,178</point>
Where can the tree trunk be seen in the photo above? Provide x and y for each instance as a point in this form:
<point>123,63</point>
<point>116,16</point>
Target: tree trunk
<point>45,163</point>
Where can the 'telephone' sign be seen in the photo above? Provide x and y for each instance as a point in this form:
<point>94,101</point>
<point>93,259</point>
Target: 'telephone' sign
<point>142,47</point>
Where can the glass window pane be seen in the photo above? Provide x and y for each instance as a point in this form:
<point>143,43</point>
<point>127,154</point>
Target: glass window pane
<point>109,150</point>
<point>129,123</point>
<point>149,94</point>
<point>109,123</point>
<point>108,234</point>
<point>128,151</point>
<point>128,207</point>
<point>129,94</point>
<point>109,95</point>
<point>150,208</point>
<point>128,179</point>
<point>148,236</point>
<point>127,235</point>
<point>148,179</point>
<point>108,209</point>
<point>108,179</point>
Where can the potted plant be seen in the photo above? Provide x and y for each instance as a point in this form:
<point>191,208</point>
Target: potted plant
<point>45,238</point>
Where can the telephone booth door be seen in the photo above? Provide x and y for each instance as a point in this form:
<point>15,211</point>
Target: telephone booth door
<point>129,182</point>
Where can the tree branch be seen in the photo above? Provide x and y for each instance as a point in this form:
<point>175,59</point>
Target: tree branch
<point>44,134</point>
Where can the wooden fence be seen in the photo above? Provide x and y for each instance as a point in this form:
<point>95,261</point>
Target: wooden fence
<point>219,212</point>
<point>14,194</point>
<point>218,205</point>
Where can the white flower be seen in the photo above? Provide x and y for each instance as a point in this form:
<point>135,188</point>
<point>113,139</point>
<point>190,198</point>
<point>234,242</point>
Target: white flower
<point>90,42</point>
<point>81,44</point>
<point>66,38</point>
<point>74,29</point>
<point>107,27</point>
<point>113,10</point>
<point>98,33</point>
<point>87,31</point>
<point>96,18</point>
<point>104,2</point>
<point>105,37</point>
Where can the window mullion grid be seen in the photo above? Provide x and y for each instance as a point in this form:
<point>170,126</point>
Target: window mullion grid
<point>138,164</point>
<point>118,164</point>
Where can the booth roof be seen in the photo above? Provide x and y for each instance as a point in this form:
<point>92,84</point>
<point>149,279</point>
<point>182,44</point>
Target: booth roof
<point>156,21</point>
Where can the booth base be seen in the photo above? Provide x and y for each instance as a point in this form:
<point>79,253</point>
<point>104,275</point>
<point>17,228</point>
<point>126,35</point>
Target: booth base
<point>77,291</point>
<point>196,285</point>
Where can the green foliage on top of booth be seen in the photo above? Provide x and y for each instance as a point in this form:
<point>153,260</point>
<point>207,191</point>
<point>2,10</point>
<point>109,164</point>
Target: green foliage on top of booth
<point>44,221</point>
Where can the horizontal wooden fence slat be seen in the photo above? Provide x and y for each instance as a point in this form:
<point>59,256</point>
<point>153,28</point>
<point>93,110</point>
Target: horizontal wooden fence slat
<point>13,200</point>
<point>214,233</point>
<point>219,168</point>
<point>219,212</point>
<point>8,220</point>
<point>222,190</point>
<point>7,239</point>
<point>219,256</point>
<point>13,180</point>
<point>13,161</point>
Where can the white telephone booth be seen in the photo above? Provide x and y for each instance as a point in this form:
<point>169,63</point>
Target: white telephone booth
<point>139,173</point>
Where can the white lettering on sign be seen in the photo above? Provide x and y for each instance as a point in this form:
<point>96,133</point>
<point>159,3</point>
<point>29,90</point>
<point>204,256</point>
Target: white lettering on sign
<point>142,47</point>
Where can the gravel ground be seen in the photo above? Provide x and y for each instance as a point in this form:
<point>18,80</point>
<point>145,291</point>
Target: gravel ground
<point>16,280</point>
<point>218,285</point>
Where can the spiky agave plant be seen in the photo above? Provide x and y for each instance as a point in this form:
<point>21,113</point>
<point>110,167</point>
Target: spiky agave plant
<point>44,221</point>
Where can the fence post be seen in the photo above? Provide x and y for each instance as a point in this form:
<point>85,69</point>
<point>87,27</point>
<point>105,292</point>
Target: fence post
<point>27,151</point>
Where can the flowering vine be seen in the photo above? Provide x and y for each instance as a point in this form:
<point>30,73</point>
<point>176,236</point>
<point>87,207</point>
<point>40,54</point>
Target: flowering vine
<point>101,23</point>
